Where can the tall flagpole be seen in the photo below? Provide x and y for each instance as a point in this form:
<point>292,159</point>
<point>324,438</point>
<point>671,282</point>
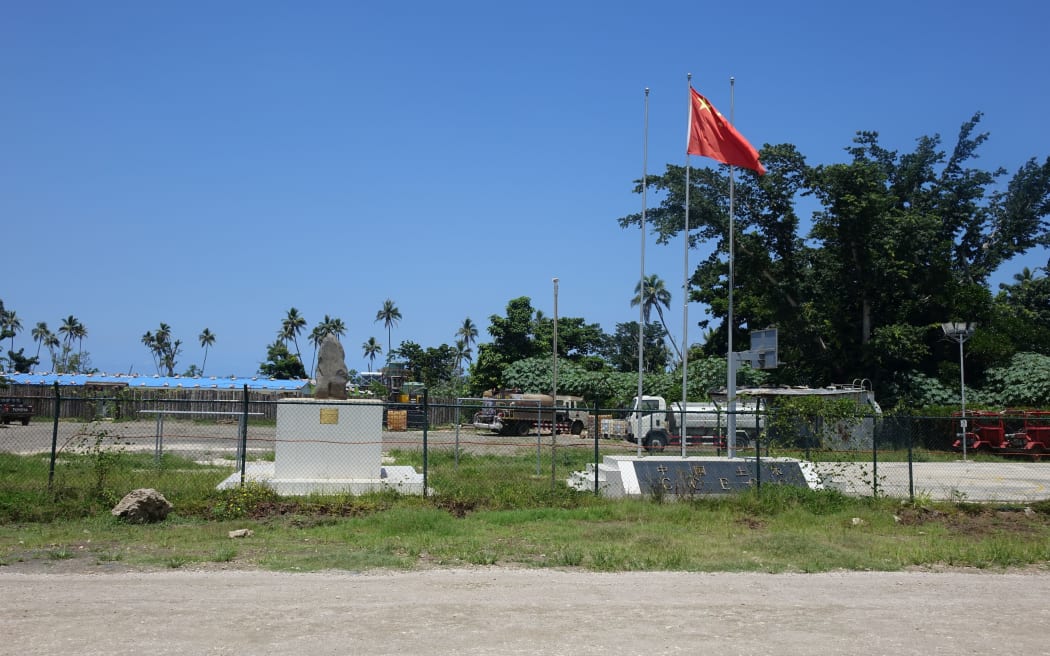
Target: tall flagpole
<point>641,282</point>
<point>730,356</point>
<point>685,267</point>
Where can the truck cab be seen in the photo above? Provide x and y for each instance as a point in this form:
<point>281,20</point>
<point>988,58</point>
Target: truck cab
<point>659,424</point>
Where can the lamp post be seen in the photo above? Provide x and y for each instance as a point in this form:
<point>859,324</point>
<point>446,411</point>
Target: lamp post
<point>960,332</point>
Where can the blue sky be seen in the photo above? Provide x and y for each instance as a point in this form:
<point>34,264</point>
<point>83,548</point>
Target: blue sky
<point>214,164</point>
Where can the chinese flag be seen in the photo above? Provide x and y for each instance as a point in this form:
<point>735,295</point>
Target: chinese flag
<point>710,135</point>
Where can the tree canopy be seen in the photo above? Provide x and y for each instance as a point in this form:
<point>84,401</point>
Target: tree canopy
<point>896,244</point>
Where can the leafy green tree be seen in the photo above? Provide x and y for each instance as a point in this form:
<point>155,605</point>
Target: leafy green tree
<point>21,363</point>
<point>900,242</point>
<point>621,348</point>
<point>430,366</point>
<point>281,363</point>
<point>1023,383</point>
<point>512,340</point>
<point>577,339</point>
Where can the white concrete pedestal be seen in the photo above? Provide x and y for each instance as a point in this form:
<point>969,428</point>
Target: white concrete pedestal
<point>327,446</point>
<point>325,439</point>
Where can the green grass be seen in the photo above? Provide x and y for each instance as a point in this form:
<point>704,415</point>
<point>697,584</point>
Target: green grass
<point>487,511</point>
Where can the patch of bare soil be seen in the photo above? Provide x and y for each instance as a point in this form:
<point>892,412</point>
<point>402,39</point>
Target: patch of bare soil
<point>976,520</point>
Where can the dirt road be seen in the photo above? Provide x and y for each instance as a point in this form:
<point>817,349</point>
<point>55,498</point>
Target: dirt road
<point>507,611</point>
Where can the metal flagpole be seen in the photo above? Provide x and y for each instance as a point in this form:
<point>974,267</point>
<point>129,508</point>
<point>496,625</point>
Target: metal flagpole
<point>730,356</point>
<point>685,267</point>
<point>641,282</point>
<point>554,392</point>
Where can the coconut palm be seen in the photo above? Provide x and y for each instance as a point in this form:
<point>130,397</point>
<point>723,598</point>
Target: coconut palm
<point>72,329</point>
<point>336,326</point>
<point>291,328</point>
<point>12,325</point>
<point>390,316</point>
<point>372,348</point>
<point>207,339</point>
<point>462,352</point>
<point>469,332</point>
<point>40,334</point>
<point>52,343</point>
<point>655,297</point>
<point>150,342</point>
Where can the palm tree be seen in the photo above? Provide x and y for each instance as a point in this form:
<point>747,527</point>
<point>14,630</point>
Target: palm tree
<point>150,342</point>
<point>330,326</point>
<point>291,327</point>
<point>390,316</point>
<point>207,339</point>
<point>469,332</point>
<point>68,329</point>
<point>336,326</point>
<point>655,297</point>
<point>462,351</point>
<point>51,342</point>
<point>372,349</point>
<point>12,325</point>
<point>40,334</point>
<point>73,329</point>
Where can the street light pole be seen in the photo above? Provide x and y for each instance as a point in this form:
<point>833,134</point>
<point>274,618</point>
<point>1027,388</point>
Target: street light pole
<point>960,332</point>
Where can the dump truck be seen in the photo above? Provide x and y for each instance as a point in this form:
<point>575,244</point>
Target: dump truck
<point>512,412</point>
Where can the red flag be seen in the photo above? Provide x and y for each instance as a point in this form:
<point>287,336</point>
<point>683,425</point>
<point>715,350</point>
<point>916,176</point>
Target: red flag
<point>710,135</point>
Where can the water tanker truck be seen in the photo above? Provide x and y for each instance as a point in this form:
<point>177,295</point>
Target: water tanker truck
<point>512,412</point>
<point>659,424</point>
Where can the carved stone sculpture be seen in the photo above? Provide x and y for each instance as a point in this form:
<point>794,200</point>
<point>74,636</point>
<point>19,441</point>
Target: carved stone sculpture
<point>331,370</point>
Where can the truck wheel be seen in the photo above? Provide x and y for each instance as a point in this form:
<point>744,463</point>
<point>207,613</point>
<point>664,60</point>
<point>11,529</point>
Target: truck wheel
<point>577,427</point>
<point>25,422</point>
<point>523,428</point>
<point>656,442</point>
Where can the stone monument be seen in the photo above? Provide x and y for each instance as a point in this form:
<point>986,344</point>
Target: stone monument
<point>331,370</point>
<point>330,444</point>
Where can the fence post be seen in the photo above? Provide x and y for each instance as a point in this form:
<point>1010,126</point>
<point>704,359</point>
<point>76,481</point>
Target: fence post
<point>243,441</point>
<point>426,424</point>
<point>758,451</point>
<point>911,476</point>
<point>459,420</point>
<point>597,430</point>
<point>54,439</point>
<point>874,463</point>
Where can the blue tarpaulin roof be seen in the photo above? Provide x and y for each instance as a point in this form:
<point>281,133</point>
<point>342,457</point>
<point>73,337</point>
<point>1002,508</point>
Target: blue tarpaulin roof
<point>161,382</point>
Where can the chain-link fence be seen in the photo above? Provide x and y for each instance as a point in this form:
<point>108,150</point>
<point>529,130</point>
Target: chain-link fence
<point>429,447</point>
